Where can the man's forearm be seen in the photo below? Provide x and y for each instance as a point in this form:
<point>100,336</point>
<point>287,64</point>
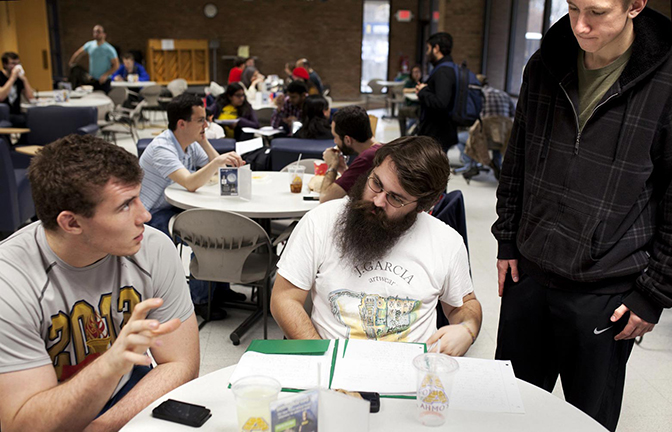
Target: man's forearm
<point>293,320</point>
<point>470,314</point>
<point>69,406</point>
<point>155,384</point>
<point>327,182</point>
<point>27,90</point>
<point>209,150</point>
<point>201,177</point>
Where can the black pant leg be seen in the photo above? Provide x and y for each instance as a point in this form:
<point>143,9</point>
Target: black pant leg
<point>592,366</point>
<point>523,334</point>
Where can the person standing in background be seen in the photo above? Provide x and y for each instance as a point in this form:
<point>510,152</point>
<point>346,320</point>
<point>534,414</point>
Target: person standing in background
<point>437,94</point>
<point>103,61</point>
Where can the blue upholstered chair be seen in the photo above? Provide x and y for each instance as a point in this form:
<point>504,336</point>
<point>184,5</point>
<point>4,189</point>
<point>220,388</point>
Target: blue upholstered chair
<point>15,196</point>
<point>222,145</point>
<point>49,123</point>
<point>4,116</point>
<point>450,210</point>
<point>287,150</point>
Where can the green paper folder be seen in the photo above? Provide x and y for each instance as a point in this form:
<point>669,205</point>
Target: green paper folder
<point>295,347</point>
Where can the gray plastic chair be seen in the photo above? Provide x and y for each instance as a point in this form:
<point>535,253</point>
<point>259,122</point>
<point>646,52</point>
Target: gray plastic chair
<point>264,116</point>
<point>308,163</point>
<point>229,247</point>
<point>376,92</point>
<point>178,86</point>
<point>150,95</point>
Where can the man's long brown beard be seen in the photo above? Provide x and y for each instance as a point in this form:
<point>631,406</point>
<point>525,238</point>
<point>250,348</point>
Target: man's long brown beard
<point>364,233</point>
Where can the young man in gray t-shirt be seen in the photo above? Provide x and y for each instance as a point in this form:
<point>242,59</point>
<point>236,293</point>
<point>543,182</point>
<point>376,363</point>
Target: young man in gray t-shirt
<point>86,291</point>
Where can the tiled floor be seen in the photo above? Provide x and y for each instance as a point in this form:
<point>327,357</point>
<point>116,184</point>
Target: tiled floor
<point>647,404</point>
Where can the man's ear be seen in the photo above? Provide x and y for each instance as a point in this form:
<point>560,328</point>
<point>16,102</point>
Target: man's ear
<point>69,222</point>
<point>347,141</point>
<point>636,7</point>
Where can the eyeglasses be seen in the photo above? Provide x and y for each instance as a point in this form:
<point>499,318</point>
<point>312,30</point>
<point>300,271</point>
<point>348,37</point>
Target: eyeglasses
<point>240,95</point>
<point>392,199</point>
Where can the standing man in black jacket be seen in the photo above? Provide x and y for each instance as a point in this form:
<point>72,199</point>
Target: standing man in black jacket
<point>585,203</point>
<point>436,95</point>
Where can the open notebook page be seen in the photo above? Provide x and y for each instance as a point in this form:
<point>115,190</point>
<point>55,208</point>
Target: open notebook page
<point>374,366</point>
<point>292,371</point>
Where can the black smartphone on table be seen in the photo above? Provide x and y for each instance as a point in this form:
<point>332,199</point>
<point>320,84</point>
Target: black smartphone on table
<point>182,412</point>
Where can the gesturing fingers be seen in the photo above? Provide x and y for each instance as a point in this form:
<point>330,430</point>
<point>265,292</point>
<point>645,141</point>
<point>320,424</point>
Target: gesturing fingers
<point>141,310</point>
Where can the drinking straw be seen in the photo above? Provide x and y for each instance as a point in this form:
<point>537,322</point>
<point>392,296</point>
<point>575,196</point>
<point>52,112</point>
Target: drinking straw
<point>299,160</point>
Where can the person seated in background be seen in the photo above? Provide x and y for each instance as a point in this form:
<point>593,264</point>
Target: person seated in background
<point>232,106</point>
<point>236,71</point>
<point>13,84</point>
<point>301,74</point>
<point>253,83</point>
<point>494,127</point>
<point>315,119</point>
<point>312,75</point>
<point>86,291</point>
<point>376,264</point>
<point>213,131</point>
<point>249,62</point>
<point>289,108</point>
<point>182,154</point>
<point>130,67</point>
<point>411,109</point>
<point>351,129</point>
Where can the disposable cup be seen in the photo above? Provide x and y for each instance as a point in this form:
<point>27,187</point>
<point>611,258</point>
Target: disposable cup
<point>296,173</point>
<point>435,375</point>
<point>253,396</point>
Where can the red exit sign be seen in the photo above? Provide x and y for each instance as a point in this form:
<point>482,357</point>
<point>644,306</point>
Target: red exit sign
<point>404,15</point>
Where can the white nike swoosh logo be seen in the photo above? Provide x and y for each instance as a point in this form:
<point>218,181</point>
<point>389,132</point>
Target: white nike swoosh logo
<point>597,332</point>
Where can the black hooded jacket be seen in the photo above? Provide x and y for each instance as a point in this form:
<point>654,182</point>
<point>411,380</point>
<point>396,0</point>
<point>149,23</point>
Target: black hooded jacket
<point>592,210</point>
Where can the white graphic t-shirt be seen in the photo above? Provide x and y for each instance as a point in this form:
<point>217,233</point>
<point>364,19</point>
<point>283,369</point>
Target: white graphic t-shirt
<point>392,299</point>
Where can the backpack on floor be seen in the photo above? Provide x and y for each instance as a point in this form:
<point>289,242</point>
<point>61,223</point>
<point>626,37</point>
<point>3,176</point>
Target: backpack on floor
<point>468,95</point>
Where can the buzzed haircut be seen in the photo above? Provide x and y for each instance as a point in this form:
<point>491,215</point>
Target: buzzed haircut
<point>128,55</point>
<point>421,166</point>
<point>297,87</point>
<point>353,121</point>
<point>180,108</point>
<point>69,174</point>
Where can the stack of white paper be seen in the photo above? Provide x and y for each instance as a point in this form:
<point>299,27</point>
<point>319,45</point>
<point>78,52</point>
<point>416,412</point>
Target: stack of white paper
<point>374,366</point>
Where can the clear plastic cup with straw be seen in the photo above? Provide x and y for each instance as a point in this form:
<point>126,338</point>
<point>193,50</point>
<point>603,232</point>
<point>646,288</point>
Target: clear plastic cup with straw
<point>296,173</point>
<point>435,375</point>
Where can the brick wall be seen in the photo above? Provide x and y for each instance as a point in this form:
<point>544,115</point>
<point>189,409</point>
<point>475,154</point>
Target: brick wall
<point>328,33</point>
<point>403,36</point>
<point>463,19</point>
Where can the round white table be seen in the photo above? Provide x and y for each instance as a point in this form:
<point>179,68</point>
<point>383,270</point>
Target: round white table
<point>271,198</point>
<point>543,411</point>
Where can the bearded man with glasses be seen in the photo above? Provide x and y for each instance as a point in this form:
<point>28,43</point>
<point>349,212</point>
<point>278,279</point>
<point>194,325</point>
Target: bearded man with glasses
<point>375,264</point>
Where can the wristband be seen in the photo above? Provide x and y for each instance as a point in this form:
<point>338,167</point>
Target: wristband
<point>471,333</point>
<point>331,170</point>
